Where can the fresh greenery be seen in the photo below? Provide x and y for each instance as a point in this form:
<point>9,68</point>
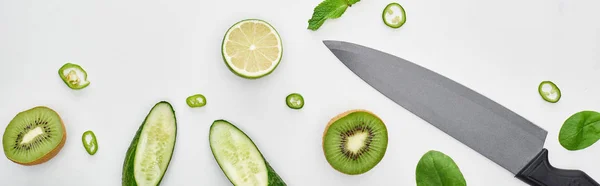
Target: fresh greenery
<point>436,168</point>
<point>328,9</point>
<point>580,131</point>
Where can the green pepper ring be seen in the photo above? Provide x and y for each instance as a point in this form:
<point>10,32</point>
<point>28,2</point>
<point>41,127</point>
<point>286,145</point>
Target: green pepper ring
<point>288,101</point>
<point>93,142</point>
<point>544,94</point>
<point>64,78</point>
<point>190,100</point>
<point>402,21</point>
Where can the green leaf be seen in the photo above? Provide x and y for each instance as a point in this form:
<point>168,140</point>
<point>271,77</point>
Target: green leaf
<point>328,9</point>
<point>351,2</point>
<point>580,131</point>
<point>437,169</point>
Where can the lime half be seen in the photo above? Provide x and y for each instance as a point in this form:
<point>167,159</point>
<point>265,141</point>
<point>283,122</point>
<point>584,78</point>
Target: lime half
<point>252,48</point>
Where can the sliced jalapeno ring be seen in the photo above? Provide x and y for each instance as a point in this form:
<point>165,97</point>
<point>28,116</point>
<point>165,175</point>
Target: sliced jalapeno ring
<point>197,100</point>
<point>394,15</point>
<point>549,91</point>
<point>89,142</point>
<point>74,76</point>
<point>294,101</point>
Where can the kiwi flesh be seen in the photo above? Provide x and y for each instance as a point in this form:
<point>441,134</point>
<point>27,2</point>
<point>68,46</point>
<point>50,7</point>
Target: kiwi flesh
<point>34,136</point>
<point>355,141</point>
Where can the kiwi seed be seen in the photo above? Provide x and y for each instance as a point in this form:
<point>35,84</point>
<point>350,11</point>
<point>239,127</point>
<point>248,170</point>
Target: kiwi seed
<point>355,141</point>
<point>34,136</point>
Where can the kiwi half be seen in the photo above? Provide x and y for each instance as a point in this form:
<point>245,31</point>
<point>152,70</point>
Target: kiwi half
<point>34,136</point>
<point>355,141</point>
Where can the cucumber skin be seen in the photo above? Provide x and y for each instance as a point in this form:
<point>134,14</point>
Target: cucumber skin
<point>128,178</point>
<point>273,178</point>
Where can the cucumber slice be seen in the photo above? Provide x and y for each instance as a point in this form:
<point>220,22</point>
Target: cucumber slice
<point>152,147</point>
<point>239,158</point>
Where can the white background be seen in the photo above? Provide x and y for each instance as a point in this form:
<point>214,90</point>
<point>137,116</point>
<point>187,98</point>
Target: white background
<point>140,52</point>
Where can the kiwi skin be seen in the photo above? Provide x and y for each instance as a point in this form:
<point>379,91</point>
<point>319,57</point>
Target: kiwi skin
<point>52,153</point>
<point>334,119</point>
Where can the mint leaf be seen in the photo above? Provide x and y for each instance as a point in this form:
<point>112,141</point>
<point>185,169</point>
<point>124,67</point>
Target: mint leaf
<point>351,2</point>
<point>580,131</point>
<point>436,168</point>
<point>328,9</point>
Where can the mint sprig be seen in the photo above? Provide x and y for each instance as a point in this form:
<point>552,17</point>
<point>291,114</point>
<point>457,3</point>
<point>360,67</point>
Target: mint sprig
<point>328,9</point>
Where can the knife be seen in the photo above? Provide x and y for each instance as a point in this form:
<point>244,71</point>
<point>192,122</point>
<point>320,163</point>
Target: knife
<point>485,126</point>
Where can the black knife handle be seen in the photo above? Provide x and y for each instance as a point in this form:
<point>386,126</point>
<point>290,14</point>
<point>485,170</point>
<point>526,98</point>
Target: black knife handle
<point>539,172</point>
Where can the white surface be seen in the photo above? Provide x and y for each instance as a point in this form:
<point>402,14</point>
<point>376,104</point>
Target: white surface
<point>140,52</point>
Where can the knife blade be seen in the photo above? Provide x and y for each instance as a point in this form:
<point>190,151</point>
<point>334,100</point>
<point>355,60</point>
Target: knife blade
<point>483,125</point>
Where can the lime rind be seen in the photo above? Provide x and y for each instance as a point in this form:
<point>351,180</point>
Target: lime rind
<point>245,74</point>
<point>391,20</point>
